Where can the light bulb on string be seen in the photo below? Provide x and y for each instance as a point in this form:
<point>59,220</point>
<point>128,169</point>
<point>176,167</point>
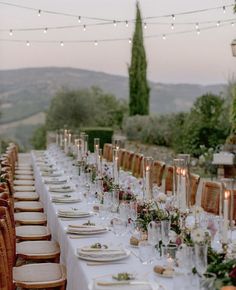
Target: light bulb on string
<point>218,23</point>
<point>126,23</point>
<point>27,43</point>
<point>61,43</point>
<point>164,37</point>
<point>39,12</point>
<point>197,25</point>
<point>173,16</point>
<point>114,23</point>
<point>11,32</point>
<point>232,24</point>
<point>224,9</point>
<point>84,28</point>
<point>95,43</point>
<point>79,19</point>
<point>172,26</point>
<point>130,40</point>
<point>45,30</point>
<point>198,31</point>
<point>145,25</point>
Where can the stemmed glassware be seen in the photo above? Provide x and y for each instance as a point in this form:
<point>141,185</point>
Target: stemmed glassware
<point>165,234</point>
<point>200,251</point>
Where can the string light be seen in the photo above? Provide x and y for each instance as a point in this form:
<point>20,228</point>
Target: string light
<point>197,25</point>
<point>114,23</point>
<point>145,25</point>
<point>102,19</point>
<point>172,26</point>
<point>198,31</point>
<point>224,9</point>
<point>218,23</point>
<point>61,43</point>
<point>126,23</point>
<point>27,43</point>
<point>45,30</point>
<point>232,24</point>
<point>95,43</point>
<point>39,12</point>
<point>164,37</point>
<point>79,19</point>
<point>130,41</point>
<point>11,32</point>
<point>84,27</point>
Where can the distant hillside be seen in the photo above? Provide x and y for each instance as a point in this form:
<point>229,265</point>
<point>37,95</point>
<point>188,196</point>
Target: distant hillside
<point>26,92</point>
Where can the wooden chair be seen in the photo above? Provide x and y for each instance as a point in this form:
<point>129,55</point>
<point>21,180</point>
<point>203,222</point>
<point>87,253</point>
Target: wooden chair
<point>28,206</point>
<point>158,171</point>
<point>4,269</point>
<point>128,158</point>
<point>194,182</point>
<point>121,158</point>
<point>30,218</point>
<point>211,197</point>
<point>137,165</point>
<point>169,179</point>
<point>26,196</point>
<point>30,276</point>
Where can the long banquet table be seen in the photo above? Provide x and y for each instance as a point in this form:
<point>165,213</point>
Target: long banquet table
<point>79,274</point>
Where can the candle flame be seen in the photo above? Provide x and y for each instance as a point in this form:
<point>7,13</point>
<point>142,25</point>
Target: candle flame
<point>227,194</point>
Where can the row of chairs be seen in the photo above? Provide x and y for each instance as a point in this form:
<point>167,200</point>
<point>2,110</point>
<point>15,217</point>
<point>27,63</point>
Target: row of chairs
<point>29,259</point>
<point>163,176</point>
<point>130,161</point>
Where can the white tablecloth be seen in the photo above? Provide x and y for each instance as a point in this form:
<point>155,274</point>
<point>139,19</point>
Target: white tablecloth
<point>79,274</point>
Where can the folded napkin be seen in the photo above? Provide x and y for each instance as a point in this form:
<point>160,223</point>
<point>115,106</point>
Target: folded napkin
<point>72,212</point>
<point>55,181</point>
<point>65,198</point>
<point>51,174</point>
<point>110,253</point>
<point>99,285</point>
<point>84,229</point>
<point>62,189</point>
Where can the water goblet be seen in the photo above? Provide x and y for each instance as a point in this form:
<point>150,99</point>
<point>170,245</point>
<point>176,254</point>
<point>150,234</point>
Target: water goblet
<point>200,251</point>
<point>146,252</point>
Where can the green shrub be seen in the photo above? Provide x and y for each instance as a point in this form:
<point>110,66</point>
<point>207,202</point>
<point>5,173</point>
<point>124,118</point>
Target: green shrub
<point>105,135</point>
<point>39,138</point>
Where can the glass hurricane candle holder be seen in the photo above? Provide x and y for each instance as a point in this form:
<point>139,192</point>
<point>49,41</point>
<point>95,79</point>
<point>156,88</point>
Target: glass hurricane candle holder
<point>116,143</point>
<point>227,208</point>
<point>147,177</point>
<point>181,184</point>
<point>116,166</point>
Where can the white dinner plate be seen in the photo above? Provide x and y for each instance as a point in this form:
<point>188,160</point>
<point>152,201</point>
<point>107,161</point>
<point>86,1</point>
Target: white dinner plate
<point>74,215</point>
<point>105,259</point>
<point>75,231</point>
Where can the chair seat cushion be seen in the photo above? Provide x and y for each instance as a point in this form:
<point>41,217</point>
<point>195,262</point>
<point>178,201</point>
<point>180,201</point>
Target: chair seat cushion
<point>24,177</point>
<point>24,172</point>
<point>24,188</point>
<point>23,182</point>
<point>31,231</point>
<point>32,217</point>
<point>38,273</point>
<point>37,248</point>
<point>20,195</point>
<point>28,205</point>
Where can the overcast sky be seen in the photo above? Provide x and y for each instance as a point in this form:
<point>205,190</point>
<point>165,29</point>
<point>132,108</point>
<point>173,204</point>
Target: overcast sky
<point>181,58</point>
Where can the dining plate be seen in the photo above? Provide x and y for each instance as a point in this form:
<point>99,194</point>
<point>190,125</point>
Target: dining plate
<point>74,214</point>
<point>89,232</point>
<point>103,259</point>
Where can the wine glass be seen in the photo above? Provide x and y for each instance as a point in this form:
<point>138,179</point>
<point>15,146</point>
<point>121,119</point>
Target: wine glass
<point>133,210</point>
<point>165,233</point>
<point>154,234</point>
<point>200,251</point>
<point>146,252</point>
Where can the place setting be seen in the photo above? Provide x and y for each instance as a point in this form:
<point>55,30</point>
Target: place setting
<point>60,188</point>
<point>124,280</point>
<point>86,229</point>
<point>102,253</point>
<point>65,198</point>
<point>72,212</point>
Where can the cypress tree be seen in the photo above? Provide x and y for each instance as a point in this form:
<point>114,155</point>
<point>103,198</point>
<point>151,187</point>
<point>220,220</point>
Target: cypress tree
<point>138,85</point>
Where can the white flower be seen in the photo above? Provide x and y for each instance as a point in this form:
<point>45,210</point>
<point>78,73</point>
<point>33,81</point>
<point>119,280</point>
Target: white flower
<point>161,197</point>
<point>198,235</point>
<point>197,210</point>
<point>172,236</point>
